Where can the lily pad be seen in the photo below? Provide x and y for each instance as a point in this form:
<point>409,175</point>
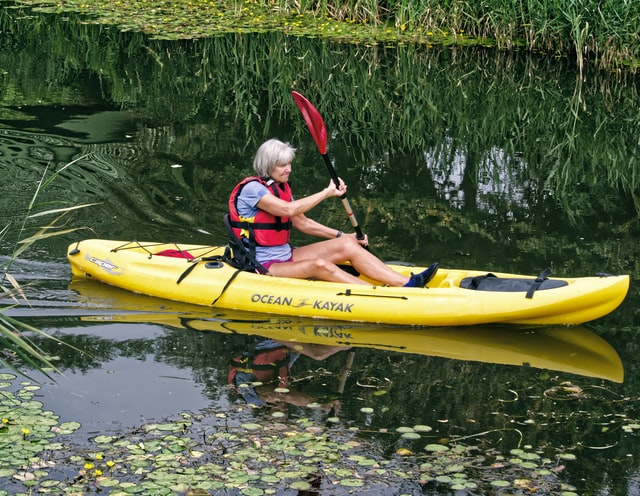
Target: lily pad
<point>252,491</point>
<point>455,468</point>
<point>69,427</point>
<point>104,439</point>
<point>422,428</point>
<point>300,486</point>
<point>411,435</point>
<point>251,426</point>
<point>7,472</point>
<point>352,482</point>
<point>567,456</point>
<point>405,429</point>
<point>436,447</point>
<point>500,483</point>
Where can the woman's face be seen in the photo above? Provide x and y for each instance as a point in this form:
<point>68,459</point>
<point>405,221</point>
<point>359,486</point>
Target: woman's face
<point>281,172</point>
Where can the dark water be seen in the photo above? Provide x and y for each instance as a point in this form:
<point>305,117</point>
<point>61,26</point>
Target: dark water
<point>476,159</point>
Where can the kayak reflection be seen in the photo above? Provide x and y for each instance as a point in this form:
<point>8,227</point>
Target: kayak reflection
<point>575,350</point>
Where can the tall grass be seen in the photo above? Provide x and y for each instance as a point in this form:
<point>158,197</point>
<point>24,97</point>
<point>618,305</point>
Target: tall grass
<point>606,32</point>
<point>14,333</point>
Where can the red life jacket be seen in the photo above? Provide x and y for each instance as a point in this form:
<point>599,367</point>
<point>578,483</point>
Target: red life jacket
<point>264,229</point>
<point>268,366</point>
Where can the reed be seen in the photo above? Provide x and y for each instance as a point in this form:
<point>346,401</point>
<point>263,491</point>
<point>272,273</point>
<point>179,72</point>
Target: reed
<point>15,333</point>
<point>400,99</point>
<point>605,33</point>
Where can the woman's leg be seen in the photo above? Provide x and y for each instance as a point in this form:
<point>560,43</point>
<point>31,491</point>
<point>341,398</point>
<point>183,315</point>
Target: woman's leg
<point>347,248</point>
<point>318,268</point>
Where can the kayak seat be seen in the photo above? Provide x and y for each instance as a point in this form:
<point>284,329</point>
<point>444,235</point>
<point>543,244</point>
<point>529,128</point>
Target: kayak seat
<point>489,282</point>
<point>240,255</point>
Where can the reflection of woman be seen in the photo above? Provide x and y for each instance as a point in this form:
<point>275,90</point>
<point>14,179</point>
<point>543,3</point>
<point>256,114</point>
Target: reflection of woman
<point>269,362</point>
<point>263,211</point>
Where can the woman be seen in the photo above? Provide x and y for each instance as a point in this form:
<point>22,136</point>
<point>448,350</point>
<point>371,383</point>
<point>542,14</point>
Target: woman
<point>263,210</point>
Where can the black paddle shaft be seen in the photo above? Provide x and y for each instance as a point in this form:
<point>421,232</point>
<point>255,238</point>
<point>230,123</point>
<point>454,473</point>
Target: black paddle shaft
<point>343,198</point>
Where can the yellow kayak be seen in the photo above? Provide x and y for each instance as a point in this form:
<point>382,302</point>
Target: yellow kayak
<point>454,297</point>
<point>575,349</point>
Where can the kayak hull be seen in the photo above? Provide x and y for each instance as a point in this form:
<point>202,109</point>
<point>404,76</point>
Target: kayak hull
<point>205,280</point>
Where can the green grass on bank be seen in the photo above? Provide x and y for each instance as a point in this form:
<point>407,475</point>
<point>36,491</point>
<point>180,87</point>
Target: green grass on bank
<point>191,19</point>
<point>606,33</point>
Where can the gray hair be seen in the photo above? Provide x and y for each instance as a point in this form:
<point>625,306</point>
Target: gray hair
<point>271,153</point>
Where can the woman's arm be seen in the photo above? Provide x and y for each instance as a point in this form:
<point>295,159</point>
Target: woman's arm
<point>310,227</point>
<point>280,208</point>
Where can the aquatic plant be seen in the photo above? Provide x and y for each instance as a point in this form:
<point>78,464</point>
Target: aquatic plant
<point>251,452</point>
<point>607,34</point>
<point>13,332</point>
<point>207,452</point>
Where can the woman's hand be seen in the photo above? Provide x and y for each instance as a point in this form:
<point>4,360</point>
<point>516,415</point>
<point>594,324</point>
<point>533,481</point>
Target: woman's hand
<point>332,190</point>
<point>364,241</point>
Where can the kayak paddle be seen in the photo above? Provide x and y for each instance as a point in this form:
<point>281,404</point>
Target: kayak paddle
<point>316,126</point>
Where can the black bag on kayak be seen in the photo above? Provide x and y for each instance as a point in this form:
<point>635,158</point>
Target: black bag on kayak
<point>490,282</point>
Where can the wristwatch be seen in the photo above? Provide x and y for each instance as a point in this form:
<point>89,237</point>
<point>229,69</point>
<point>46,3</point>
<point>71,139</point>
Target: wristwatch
<point>338,234</point>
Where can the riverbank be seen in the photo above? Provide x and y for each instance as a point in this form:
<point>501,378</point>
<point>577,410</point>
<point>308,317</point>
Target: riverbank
<point>608,37</point>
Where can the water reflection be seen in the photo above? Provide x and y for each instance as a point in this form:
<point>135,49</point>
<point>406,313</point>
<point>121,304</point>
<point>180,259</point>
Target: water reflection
<point>147,363</point>
<point>469,149</point>
<point>147,357</point>
<point>260,368</point>
<point>574,350</point>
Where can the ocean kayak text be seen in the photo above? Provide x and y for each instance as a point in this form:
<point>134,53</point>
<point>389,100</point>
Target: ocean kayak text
<point>333,306</point>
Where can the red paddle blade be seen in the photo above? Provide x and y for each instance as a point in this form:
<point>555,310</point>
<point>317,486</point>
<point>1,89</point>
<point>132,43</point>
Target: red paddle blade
<point>314,121</point>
